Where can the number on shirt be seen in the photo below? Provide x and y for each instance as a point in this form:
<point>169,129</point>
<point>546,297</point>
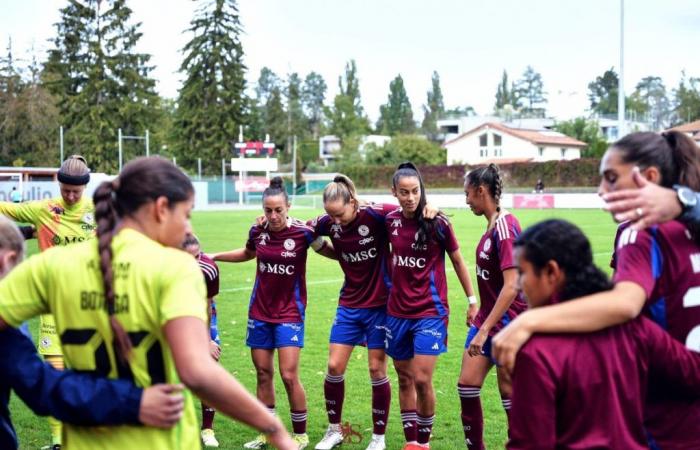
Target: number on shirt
<point>692,299</point>
<point>103,365</point>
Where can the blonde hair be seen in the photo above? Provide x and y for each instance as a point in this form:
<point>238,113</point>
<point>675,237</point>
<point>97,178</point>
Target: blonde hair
<point>10,238</point>
<point>341,187</point>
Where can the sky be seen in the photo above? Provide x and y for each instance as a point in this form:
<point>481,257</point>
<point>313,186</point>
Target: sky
<point>468,42</point>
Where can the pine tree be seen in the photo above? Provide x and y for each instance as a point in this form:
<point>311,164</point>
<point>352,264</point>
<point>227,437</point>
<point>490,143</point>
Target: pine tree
<point>346,117</point>
<point>396,116</point>
<point>434,109</point>
<point>212,103</point>
<point>100,81</point>
<point>313,96</point>
<point>531,89</point>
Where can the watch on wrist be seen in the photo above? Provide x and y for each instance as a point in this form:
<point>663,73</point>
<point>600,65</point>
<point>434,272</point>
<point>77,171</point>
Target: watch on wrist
<point>686,197</point>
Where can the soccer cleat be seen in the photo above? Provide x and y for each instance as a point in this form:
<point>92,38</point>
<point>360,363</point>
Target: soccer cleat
<point>377,442</point>
<point>259,442</point>
<point>302,440</point>
<point>208,438</point>
<point>415,446</point>
<point>332,438</point>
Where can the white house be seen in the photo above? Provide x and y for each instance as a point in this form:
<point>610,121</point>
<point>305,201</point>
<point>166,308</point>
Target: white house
<point>496,142</point>
<point>329,146</point>
<point>691,129</point>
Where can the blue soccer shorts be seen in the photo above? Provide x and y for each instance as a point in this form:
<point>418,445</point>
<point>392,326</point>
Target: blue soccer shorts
<point>359,326</point>
<point>408,337</point>
<point>270,335</point>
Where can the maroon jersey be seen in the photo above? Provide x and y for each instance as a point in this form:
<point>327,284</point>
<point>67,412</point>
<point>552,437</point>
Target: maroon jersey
<point>211,274</point>
<point>419,284</point>
<point>494,254</point>
<point>588,390</point>
<point>362,248</point>
<point>665,262</point>
<point>279,293</point>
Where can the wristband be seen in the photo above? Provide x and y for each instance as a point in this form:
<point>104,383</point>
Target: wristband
<point>472,299</point>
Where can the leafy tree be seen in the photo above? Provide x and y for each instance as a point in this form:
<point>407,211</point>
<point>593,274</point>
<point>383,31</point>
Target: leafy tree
<point>687,100</point>
<point>267,81</point>
<point>212,104</point>
<point>602,93</point>
<point>530,89</point>
<point>276,118</point>
<point>406,148</point>
<point>433,109</point>
<point>396,116</point>
<point>313,95</point>
<point>346,116</point>
<point>296,117</point>
<point>587,131</point>
<point>100,81</point>
<point>650,94</point>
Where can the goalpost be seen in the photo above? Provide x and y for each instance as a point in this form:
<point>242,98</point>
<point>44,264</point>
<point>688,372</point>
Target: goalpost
<point>8,177</point>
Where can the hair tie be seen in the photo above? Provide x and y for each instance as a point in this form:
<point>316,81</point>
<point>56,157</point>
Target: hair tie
<point>73,180</point>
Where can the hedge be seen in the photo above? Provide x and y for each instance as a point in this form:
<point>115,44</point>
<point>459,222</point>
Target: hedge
<point>578,172</point>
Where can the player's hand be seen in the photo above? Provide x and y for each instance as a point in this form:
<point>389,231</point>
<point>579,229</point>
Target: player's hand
<point>260,220</point>
<point>506,344</point>
<point>430,211</point>
<point>214,350</point>
<point>280,438</point>
<point>476,346</point>
<point>643,207</point>
<point>161,405</point>
<point>472,311</point>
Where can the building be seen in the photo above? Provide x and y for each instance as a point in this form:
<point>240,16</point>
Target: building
<point>691,129</point>
<point>499,143</point>
<point>329,146</point>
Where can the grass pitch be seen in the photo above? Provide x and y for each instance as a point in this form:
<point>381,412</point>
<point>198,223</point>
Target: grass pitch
<point>226,230</point>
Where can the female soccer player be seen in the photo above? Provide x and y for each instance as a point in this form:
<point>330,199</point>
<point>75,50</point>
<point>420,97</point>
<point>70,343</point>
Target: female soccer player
<point>132,305</point>
<point>58,221</point>
<point>210,271</point>
<point>586,390</point>
<point>417,309</point>
<point>278,303</point>
<point>657,271</point>
<point>500,302</point>
<point>358,234</point>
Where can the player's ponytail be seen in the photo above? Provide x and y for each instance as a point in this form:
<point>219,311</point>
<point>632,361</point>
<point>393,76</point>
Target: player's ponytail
<point>561,241</point>
<point>341,188</point>
<point>142,181</point>
<point>425,227</point>
<point>276,187</point>
<point>489,176</point>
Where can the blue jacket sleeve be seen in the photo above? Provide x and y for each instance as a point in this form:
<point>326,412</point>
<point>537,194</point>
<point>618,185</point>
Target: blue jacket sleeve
<point>77,398</point>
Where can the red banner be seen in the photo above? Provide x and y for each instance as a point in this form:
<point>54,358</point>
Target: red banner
<point>252,184</point>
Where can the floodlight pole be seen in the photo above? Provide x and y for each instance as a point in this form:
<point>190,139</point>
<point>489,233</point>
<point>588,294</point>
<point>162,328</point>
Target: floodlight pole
<point>60,133</point>
<point>120,150</point>
<point>620,81</point>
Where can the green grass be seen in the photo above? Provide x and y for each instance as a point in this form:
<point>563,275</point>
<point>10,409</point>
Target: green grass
<point>225,230</point>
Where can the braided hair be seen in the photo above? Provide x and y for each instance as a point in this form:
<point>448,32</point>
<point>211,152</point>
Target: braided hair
<point>142,181</point>
<point>489,176</point>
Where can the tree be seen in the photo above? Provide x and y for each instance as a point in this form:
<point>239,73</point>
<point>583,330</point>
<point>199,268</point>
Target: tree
<point>212,104</point>
<point>295,110</point>
<point>587,131</point>
<point>506,95</point>
<point>650,94</point>
<point>530,89</point>
<point>346,116</point>
<point>313,95</point>
<point>276,117</point>
<point>100,81</point>
<point>602,93</point>
<point>686,100</point>
<point>433,109</point>
<point>406,148</point>
<point>396,116</point>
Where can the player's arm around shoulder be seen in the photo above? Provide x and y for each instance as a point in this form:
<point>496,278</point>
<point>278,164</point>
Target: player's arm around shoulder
<point>24,291</point>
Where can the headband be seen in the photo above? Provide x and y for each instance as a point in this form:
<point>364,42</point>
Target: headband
<point>75,180</point>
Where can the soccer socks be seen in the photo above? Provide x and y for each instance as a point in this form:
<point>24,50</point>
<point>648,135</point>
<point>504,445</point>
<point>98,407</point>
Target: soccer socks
<point>207,417</point>
<point>425,427</point>
<point>506,401</point>
<point>381,399</point>
<point>408,419</point>
<point>334,391</point>
<point>472,416</point>
<point>299,421</point>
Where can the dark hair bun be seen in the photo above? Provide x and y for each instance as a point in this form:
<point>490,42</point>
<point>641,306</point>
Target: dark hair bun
<point>277,183</point>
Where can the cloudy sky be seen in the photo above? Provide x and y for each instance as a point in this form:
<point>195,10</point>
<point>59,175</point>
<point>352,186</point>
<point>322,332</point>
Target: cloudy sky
<point>468,42</point>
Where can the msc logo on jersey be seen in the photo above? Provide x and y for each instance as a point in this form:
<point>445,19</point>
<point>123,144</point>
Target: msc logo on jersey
<point>487,245</point>
<point>289,244</point>
<point>408,261</point>
<point>277,269</point>
<point>363,230</point>
<point>360,256</point>
<point>483,273</point>
<point>66,240</point>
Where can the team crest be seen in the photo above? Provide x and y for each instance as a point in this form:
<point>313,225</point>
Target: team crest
<point>289,245</point>
<point>363,230</point>
<point>88,218</point>
<point>487,245</point>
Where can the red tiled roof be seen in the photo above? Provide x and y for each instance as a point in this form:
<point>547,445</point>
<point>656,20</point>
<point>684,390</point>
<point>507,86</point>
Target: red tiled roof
<point>690,127</point>
<point>534,136</point>
<point>505,160</point>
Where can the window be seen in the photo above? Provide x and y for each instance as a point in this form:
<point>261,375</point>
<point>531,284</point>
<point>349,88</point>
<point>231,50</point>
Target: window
<point>541,151</point>
<point>497,140</point>
<point>483,140</point>
<point>563,153</point>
